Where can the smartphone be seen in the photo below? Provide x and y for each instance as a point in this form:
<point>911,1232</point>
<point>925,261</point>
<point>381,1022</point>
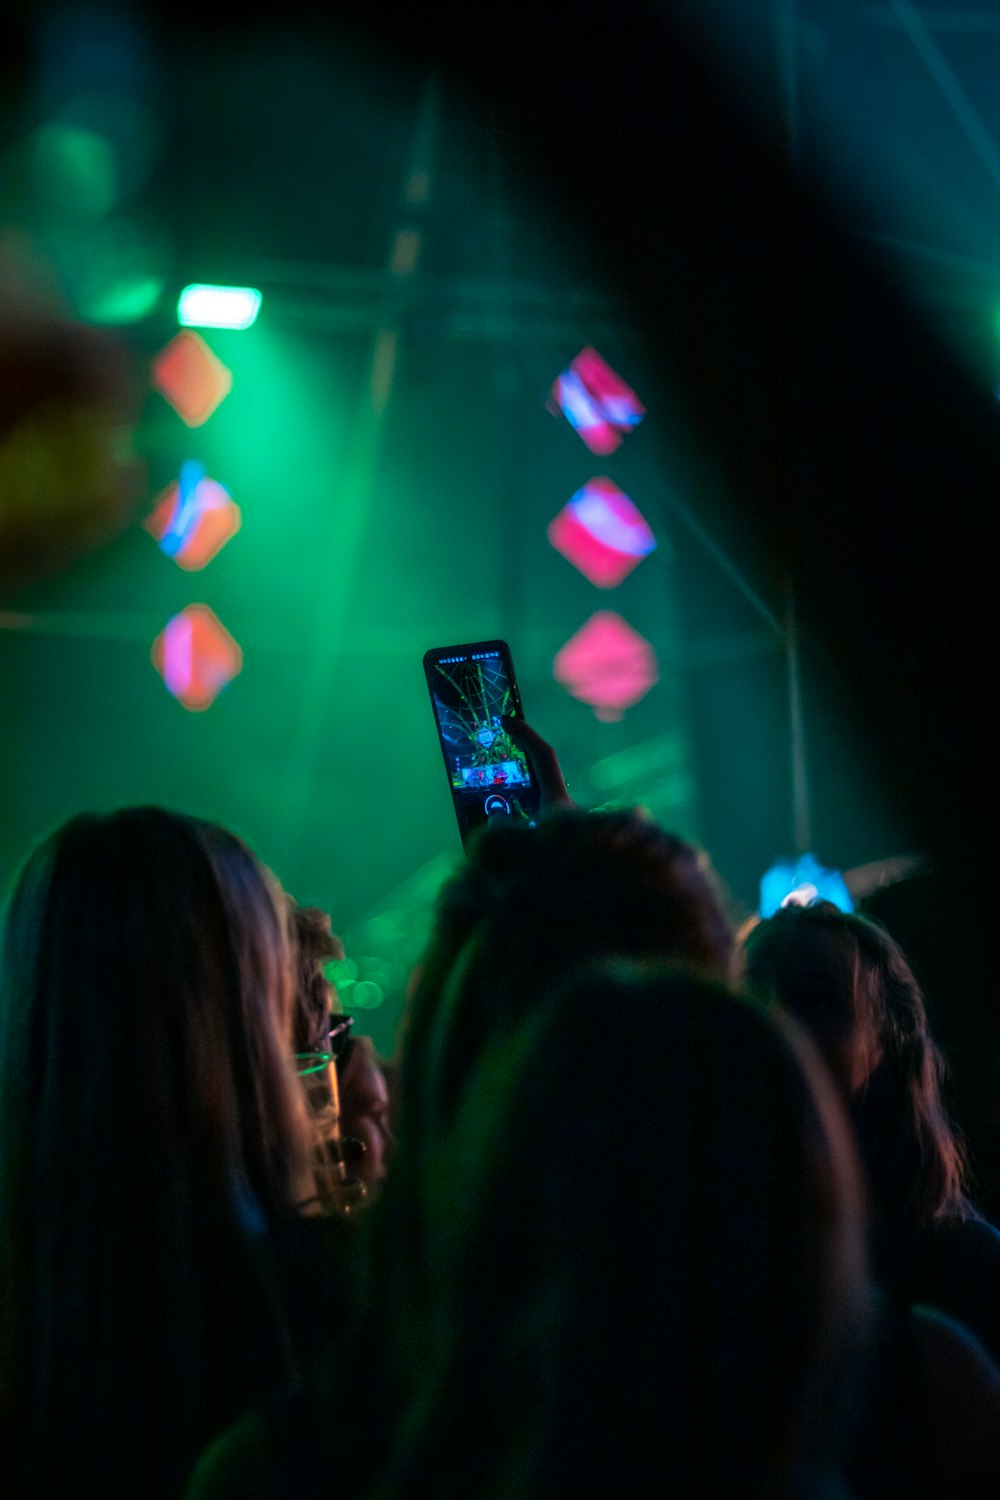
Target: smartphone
<point>471,687</point>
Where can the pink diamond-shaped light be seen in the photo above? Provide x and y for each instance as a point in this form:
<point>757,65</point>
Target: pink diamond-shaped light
<point>602,533</point>
<point>196,657</point>
<point>607,664</point>
<point>191,377</point>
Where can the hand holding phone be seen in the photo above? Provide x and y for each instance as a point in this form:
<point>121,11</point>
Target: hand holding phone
<point>473,689</point>
<point>543,763</point>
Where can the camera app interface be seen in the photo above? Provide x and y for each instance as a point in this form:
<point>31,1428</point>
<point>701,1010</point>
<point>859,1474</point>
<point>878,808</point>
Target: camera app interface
<point>485,767</point>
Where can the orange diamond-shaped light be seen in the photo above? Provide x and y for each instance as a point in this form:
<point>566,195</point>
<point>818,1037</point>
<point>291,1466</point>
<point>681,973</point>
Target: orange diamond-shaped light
<point>607,664</point>
<point>191,377</point>
<point>193,532</point>
<point>196,656</point>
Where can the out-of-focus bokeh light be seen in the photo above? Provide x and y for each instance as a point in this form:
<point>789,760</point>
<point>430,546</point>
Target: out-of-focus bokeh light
<point>191,377</point>
<point>366,994</point>
<point>69,401</point>
<point>797,882</point>
<point>196,657</point>
<point>73,170</point>
<point>596,402</point>
<point>127,300</point>
<point>193,519</point>
<point>202,306</point>
<point>602,533</point>
<point>607,664</point>
<point>119,272</point>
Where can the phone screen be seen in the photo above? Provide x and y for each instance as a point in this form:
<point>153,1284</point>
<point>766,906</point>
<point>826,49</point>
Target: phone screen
<point>471,687</point>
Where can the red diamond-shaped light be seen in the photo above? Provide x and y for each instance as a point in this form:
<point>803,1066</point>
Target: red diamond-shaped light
<point>602,533</point>
<point>196,656</point>
<point>607,664</point>
<point>209,521</point>
<point>191,377</point>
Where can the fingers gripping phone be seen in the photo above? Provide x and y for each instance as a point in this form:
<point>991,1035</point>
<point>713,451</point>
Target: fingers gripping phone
<point>471,688</point>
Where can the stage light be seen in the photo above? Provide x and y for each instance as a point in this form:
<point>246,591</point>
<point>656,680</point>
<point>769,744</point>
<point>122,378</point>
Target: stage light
<point>602,533</point>
<point>607,664</point>
<point>194,518</point>
<point>75,169</point>
<point>201,306</point>
<point>341,971</point>
<point>196,657</point>
<point>596,401</point>
<point>127,300</point>
<point>797,882</point>
<point>191,377</point>
<point>367,995</point>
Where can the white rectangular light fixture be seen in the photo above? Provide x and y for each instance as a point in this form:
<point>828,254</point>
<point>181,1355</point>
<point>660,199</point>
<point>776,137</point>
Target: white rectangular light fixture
<point>201,306</point>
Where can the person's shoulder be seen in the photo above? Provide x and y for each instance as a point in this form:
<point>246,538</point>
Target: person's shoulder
<point>957,1350</point>
<point>969,1229</point>
<point>239,1464</point>
<point>954,1264</point>
<point>279,1450</point>
<point>961,1390</point>
<point>970,1241</point>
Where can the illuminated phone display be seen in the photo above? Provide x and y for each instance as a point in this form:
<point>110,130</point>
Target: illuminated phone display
<point>471,688</point>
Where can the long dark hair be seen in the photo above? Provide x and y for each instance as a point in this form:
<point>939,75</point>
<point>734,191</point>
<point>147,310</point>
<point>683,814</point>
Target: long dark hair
<point>643,1257</point>
<point>313,942</point>
<point>527,907</point>
<point>151,1130</point>
<point>522,911</point>
<point>843,976</point>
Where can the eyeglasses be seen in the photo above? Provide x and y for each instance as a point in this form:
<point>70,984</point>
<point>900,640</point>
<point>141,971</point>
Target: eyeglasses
<point>338,1036</point>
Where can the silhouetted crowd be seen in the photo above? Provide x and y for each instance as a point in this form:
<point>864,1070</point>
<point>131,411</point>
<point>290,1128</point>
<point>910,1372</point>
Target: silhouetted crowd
<point>650,1208</point>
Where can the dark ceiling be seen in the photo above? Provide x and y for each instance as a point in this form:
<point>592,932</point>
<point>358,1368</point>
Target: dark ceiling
<point>284,143</point>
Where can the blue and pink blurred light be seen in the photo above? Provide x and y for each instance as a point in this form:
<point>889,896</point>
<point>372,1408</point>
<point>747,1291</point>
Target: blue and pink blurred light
<point>596,402</point>
<point>194,518</point>
<point>602,533</point>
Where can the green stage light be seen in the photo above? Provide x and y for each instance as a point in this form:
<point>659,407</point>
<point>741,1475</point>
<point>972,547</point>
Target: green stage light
<point>200,306</point>
<point>127,300</point>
